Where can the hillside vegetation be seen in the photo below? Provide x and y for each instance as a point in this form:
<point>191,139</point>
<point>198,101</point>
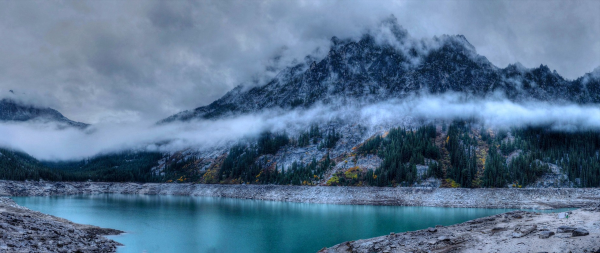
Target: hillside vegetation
<point>460,154</point>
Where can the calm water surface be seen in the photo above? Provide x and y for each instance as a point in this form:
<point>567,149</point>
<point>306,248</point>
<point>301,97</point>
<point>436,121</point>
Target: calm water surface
<point>199,224</point>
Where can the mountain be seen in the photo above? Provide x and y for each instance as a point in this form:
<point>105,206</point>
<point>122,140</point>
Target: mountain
<point>387,63</point>
<point>339,145</point>
<point>376,67</point>
<point>14,111</point>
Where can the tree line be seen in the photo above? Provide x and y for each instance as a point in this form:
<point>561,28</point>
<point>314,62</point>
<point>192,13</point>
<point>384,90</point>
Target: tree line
<point>120,167</point>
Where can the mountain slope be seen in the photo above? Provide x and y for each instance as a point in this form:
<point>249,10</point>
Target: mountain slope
<point>373,69</point>
<point>387,64</point>
<point>13,111</point>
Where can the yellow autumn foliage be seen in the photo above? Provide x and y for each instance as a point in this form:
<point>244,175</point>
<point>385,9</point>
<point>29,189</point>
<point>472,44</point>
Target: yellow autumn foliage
<point>334,180</point>
<point>452,183</point>
<point>352,173</point>
<point>210,177</point>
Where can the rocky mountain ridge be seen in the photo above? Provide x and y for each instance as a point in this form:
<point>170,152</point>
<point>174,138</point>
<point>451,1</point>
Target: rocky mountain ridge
<point>387,63</point>
<point>11,110</point>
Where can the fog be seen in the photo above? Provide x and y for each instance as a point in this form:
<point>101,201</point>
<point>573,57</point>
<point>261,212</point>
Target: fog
<point>47,142</point>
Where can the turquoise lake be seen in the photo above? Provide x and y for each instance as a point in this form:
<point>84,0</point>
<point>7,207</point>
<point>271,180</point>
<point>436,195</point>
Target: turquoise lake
<point>199,224</point>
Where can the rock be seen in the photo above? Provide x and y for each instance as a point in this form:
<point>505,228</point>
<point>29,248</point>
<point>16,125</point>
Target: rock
<point>580,232</point>
<point>497,229</point>
<point>523,231</point>
<point>546,234</point>
<point>564,235</point>
<point>443,238</point>
<point>565,229</point>
<point>432,230</point>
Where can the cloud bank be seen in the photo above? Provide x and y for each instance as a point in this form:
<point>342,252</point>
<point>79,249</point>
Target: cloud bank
<point>47,143</point>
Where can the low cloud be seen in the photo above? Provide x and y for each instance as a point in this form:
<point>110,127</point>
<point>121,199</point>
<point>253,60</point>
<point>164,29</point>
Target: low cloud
<point>45,142</point>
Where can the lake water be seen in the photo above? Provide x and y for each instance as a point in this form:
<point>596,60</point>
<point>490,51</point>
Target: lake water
<point>199,224</point>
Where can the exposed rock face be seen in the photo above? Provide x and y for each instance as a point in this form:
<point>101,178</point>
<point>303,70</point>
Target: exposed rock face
<point>489,234</point>
<point>398,196</point>
<point>24,230</point>
<point>13,111</point>
<point>555,178</point>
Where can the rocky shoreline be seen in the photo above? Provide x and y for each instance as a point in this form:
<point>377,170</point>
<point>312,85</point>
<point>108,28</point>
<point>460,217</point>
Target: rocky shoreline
<point>29,231</point>
<point>24,230</point>
<point>517,231</point>
<point>540,198</point>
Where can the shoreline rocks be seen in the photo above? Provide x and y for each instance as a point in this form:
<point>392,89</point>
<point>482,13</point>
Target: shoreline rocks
<point>24,230</point>
<point>397,196</point>
<point>491,234</point>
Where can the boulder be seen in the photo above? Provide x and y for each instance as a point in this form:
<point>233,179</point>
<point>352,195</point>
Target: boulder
<point>523,231</point>
<point>565,229</point>
<point>546,234</point>
<point>580,232</point>
<point>443,238</point>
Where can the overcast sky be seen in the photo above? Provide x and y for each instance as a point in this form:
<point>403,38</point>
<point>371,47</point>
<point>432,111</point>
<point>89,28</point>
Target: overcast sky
<point>119,61</point>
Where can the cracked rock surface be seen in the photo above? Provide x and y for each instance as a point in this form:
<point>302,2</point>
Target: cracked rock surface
<point>24,230</point>
<point>534,233</point>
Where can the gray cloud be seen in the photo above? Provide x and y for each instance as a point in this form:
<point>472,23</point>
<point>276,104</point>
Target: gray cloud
<point>116,61</point>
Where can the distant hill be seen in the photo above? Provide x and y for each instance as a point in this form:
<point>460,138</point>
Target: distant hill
<point>116,167</point>
<point>14,111</point>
